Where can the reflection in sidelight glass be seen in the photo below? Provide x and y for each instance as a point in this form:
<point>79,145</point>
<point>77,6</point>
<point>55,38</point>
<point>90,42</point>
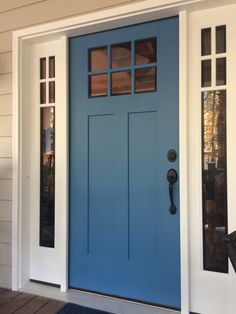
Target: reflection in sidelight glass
<point>206,73</point>
<point>145,80</point>
<point>98,85</point>
<point>98,59</point>
<point>214,184</point>
<point>206,41</point>
<point>145,51</point>
<point>42,68</point>
<point>220,71</point>
<point>43,93</point>
<point>52,92</point>
<point>47,177</point>
<point>121,83</point>
<point>121,55</point>
<point>51,67</point>
<point>220,39</point>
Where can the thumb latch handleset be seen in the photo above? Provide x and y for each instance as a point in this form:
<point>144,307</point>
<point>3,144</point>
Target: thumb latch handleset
<point>172,177</point>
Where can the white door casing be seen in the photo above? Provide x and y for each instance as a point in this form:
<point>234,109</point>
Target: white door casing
<point>210,292</point>
<point>23,43</point>
<point>189,135</point>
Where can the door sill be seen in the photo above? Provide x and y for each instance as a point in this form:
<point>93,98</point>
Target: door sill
<point>93,300</point>
<point>136,301</point>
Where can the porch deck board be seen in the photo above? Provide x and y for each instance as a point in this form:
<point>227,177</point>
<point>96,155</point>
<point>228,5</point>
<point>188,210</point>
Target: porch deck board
<point>24,303</point>
<point>7,296</point>
<point>33,306</point>
<point>51,307</point>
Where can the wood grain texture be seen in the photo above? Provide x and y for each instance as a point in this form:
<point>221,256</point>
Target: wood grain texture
<point>24,303</point>
<point>15,303</point>
<point>33,306</point>
<point>51,307</point>
<point>6,296</point>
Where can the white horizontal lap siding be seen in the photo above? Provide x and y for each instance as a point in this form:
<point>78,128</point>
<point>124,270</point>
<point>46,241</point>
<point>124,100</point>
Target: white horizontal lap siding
<point>5,62</point>
<point>52,10</point>
<point>6,5</point>
<point>5,147</point>
<point>5,41</point>
<point>5,276</point>
<point>5,255</point>
<point>5,214</point>
<point>5,158</point>
<point>5,105</point>
<point>5,83</point>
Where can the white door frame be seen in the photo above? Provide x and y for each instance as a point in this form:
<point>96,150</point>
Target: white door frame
<point>107,19</point>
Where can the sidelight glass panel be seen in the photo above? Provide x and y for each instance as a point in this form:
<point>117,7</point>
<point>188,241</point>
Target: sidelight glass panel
<point>51,67</point>
<point>42,68</point>
<point>47,177</point>
<point>43,93</point>
<point>206,41</point>
<point>145,80</point>
<point>52,92</point>
<point>98,60</point>
<point>220,71</point>
<point>214,184</point>
<point>98,85</point>
<point>121,83</point>
<point>220,39</point>
<point>206,73</point>
<point>145,51</point>
<point>121,55</point>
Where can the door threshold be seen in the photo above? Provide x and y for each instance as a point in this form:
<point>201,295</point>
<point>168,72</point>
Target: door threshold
<point>93,300</point>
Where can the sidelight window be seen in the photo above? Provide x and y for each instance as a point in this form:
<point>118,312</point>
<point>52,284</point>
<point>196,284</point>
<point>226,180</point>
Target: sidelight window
<point>47,152</point>
<point>214,166</point>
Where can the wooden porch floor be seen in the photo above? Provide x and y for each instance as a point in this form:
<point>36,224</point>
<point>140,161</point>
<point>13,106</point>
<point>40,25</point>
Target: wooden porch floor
<point>24,303</point>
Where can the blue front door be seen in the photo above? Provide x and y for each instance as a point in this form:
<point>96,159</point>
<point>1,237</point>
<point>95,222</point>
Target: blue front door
<point>123,121</point>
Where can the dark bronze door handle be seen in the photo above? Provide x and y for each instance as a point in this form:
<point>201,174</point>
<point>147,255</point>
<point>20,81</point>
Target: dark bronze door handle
<point>172,177</point>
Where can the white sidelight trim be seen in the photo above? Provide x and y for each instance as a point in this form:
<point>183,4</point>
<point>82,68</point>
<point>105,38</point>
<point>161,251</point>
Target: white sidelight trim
<point>183,162</point>
<point>15,164</point>
<point>64,172</point>
<point>210,292</point>
<point>46,264</point>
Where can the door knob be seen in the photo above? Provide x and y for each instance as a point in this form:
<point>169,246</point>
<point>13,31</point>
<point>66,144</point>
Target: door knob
<point>172,177</point>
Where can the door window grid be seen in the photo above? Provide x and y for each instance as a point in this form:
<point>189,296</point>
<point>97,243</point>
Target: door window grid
<point>47,85</point>
<point>214,171</point>
<point>132,68</point>
<point>213,57</point>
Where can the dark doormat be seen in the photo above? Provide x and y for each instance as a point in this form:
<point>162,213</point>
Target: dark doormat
<point>71,308</point>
